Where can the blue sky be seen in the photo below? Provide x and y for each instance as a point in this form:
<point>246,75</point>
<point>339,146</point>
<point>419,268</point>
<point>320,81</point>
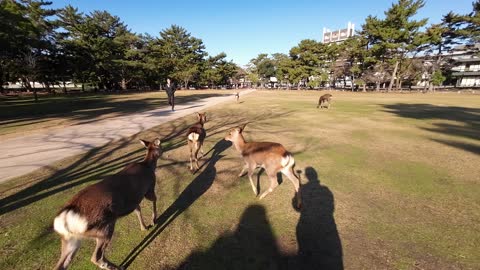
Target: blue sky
<point>243,29</point>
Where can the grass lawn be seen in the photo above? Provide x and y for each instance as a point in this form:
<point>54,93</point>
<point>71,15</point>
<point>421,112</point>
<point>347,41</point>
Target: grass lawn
<point>390,181</point>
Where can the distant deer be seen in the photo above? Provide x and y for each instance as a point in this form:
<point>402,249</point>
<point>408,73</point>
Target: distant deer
<point>273,157</point>
<point>92,213</point>
<point>237,96</point>
<point>324,99</point>
<point>195,136</point>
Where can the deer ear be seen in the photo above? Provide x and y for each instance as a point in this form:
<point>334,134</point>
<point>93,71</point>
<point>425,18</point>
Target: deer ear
<point>243,127</point>
<point>144,143</point>
<point>157,142</point>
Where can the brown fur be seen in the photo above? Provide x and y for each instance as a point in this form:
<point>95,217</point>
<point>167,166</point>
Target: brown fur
<point>196,145</point>
<point>324,99</point>
<point>101,204</point>
<point>268,155</point>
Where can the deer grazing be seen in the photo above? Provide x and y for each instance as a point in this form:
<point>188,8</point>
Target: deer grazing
<point>195,136</point>
<point>93,211</point>
<point>273,157</point>
<point>324,99</point>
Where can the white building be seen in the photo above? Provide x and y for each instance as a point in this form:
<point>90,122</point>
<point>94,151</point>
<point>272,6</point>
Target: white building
<point>338,35</point>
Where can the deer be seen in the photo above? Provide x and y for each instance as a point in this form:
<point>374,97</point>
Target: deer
<point>93,212</point>
<point>195,136</point>
<point>324,99</point>
<point>271,156</point>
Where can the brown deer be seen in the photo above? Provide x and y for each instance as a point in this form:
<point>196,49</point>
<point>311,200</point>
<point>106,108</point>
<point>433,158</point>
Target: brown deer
<point>195,136</point>
<point>324,99</point>
<point>273,157</point>
<point>93,211</point>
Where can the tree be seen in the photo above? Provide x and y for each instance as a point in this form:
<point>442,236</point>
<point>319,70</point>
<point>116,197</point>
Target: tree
<point>263,66</point>
<point>180,54</point>
<point>396,37</point>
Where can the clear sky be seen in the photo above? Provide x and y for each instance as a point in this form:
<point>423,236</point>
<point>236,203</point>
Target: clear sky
<point>243,29</point>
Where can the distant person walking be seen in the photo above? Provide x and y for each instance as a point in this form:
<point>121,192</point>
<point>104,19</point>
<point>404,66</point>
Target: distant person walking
<point>170,89</point>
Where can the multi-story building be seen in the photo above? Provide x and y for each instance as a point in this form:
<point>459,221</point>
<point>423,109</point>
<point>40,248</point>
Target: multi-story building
<point>338,35</point>
<point>466,67</point>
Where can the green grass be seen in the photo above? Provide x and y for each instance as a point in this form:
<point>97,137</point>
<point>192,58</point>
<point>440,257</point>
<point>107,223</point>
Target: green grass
<point>398,189</point>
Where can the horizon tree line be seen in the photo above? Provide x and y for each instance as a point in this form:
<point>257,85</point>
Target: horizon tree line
<point>98,51</point>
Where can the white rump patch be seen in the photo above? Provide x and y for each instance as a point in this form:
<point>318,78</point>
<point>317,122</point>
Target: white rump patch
<point>193,136</point>
<point>69,223</point>
<point>287,161</point>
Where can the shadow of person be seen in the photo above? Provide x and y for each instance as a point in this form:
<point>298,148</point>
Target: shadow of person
<point>319,245</point>
<point>251,246</point>
<point>189,195</point>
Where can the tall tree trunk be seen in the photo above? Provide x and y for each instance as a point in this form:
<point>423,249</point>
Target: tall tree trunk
<point>123,84</point>
<point>364,87</point>
<point>352,79</point>
<point>377,88</point>
<point>394,74</point>
<point>298,85</point>
<point>64,87</point>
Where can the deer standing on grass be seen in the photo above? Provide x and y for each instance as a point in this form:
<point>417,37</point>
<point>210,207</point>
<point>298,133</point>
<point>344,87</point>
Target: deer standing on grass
<point>324,99</point>
<point>195,136</point>
<point>273,157</point>
<point>92,213</point>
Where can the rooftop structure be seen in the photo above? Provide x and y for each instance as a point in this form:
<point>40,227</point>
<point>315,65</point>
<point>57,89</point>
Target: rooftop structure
<point>338,35</point>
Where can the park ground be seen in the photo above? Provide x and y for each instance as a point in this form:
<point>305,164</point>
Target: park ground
<point>390,181</point>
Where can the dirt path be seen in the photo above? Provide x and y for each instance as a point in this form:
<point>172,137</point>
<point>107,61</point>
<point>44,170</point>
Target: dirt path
<point>24,154</point>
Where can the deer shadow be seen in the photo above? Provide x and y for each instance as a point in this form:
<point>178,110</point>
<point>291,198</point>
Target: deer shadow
<point>200,184</point>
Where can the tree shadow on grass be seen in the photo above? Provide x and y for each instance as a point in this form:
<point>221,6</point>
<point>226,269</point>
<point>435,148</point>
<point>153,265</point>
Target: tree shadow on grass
<point>83,109</point>
<point>467,120</point>
<point>91,166</point>
<point>199,185</point>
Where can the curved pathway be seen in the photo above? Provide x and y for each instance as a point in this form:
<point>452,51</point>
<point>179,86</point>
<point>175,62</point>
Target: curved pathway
<point>25,154</point>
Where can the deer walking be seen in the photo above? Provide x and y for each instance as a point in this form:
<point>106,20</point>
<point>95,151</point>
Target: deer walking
<point>273,157</point>
<point>195,136</point>
<point>93,212</point>
<point>324,99</point>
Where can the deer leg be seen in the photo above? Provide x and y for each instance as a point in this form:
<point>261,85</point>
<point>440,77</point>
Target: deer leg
<point>98,257</point>
<point>244,170</point>
<point>153,198</point>
<point>190,146</point>
<point>273,184</point>
<point>201,150</point>
<point>296,183</point>
<point>197,146</point>
<point>69,248</point>
<point>251,170</point>
<point>138,212</point>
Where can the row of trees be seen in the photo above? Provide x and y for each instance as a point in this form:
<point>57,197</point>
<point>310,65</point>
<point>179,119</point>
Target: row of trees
<point>388,51</point>
<point>55,46</point>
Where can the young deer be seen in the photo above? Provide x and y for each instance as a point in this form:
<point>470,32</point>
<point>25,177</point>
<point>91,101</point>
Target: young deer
<point>273,157</point>
<point>93,211</point>
<point>324,99</point>
<point>195,136</point>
